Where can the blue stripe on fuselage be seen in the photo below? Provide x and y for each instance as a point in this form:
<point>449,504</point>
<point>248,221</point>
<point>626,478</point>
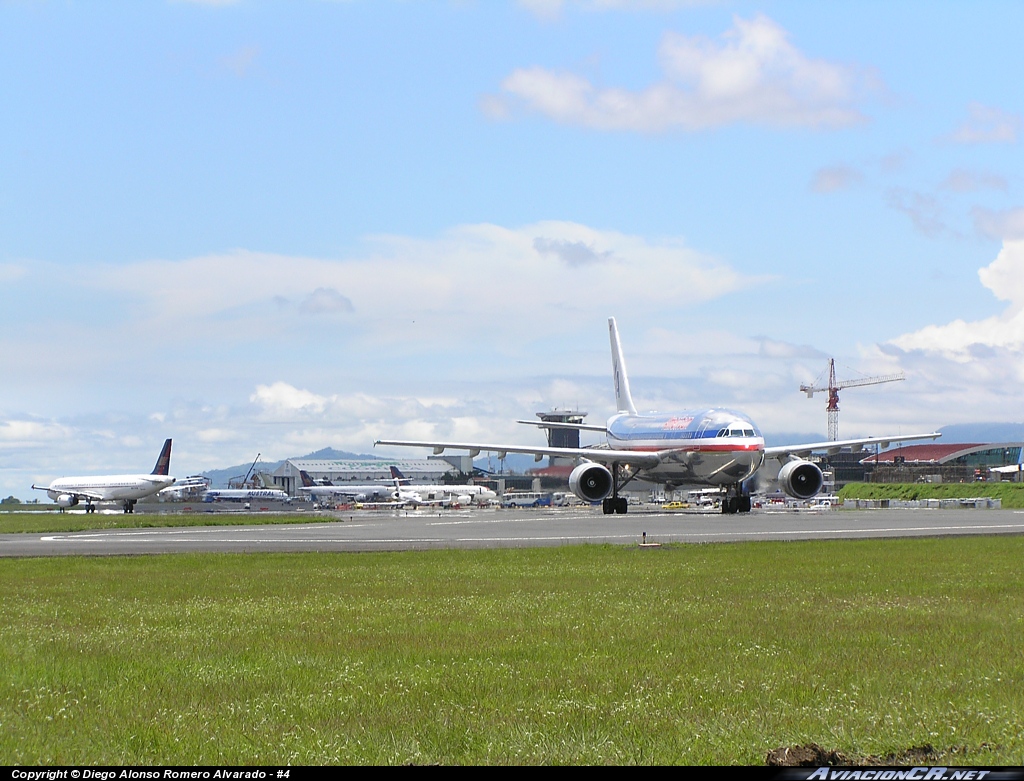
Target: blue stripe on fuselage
<point>677,427</point>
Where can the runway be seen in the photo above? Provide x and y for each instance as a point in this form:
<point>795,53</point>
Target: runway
<point>514,528</point>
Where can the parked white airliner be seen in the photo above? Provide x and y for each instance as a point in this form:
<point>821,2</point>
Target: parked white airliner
<point>356,493</point>
<point>440,494</point>
<point>127,489</point>
<point>716,447</point>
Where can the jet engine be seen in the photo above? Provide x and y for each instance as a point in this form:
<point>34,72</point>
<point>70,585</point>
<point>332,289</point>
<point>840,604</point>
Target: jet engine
<point>67,500</point>
<point>591,482</point>
<point>800,479</point>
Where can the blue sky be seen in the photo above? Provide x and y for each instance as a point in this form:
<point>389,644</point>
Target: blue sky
<point>274,227</point>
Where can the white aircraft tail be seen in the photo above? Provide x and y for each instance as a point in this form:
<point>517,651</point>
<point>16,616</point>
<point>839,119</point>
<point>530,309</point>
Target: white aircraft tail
<point>623,399</point>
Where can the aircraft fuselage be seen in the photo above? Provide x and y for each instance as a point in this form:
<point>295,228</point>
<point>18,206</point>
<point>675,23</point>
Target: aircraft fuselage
<point>712,447</point>
<point>110,488</point>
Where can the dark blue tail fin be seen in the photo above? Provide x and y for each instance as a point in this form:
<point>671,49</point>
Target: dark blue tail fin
<point>163,463</point>
<point>307,481</point>
<point>396,474</point>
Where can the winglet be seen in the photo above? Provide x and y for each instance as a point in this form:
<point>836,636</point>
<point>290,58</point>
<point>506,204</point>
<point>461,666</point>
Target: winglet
<point>163,462</point>
<point>623,399</point>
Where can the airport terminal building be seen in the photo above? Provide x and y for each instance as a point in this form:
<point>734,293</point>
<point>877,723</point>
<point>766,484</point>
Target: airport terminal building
<point>946,463</point>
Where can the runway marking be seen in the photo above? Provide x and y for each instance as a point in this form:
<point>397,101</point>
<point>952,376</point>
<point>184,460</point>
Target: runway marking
<point>189,530</point>
<point>512,520</point>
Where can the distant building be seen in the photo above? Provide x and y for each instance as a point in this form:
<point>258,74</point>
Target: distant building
<point>340,472</point>
<point>556,473</point>
<point>945,462</point>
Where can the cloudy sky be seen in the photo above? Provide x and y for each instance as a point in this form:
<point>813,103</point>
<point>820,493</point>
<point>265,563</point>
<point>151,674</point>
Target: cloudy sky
<point>279,226</point>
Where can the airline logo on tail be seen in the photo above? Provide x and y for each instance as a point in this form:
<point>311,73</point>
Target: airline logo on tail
<point>623,398</point>
<point>163,461</point>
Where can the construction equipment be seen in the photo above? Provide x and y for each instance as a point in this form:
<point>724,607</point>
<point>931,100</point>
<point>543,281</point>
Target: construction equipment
<point>833,388</point>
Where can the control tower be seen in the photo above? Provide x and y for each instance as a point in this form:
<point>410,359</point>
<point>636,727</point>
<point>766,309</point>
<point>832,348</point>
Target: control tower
<point>562,437</point>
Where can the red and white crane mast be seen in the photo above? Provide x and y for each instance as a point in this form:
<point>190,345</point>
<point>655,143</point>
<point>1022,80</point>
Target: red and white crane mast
<point>833,388</point>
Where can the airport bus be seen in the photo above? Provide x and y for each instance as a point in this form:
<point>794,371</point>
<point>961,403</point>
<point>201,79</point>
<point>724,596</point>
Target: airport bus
<point>526,499</point>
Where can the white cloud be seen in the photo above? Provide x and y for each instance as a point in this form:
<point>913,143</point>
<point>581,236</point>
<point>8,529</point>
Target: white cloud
<point>10,272</point>
<point>30,432</point>
<point>964,181</point>
<point>325,300</point>
<point>522,282</point>
<point>283,398</point>
<point>753,74</point>
<point>835,178</point>
<point>572,253</point>
<point>987,125</point>
<point>999,224</point>
<point>241,61</point>
<point>552,9</point>
<point>967,342</point>
<point>923,210</point>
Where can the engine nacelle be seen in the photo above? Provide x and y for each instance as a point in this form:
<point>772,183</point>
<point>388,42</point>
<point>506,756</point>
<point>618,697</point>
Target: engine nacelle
<point>591,482</point>
<point>800,479</point>
<point>67,500</point>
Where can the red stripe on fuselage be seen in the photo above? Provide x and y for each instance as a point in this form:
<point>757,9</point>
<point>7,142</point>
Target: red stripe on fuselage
<point>697,449</point>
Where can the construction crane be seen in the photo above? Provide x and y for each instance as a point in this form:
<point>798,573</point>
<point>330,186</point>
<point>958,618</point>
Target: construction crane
<point>833,389</point>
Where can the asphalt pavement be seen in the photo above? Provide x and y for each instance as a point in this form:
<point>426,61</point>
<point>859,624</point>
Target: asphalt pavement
<point>492,528</point>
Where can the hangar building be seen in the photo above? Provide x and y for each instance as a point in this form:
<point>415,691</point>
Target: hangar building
<point>340,472</point>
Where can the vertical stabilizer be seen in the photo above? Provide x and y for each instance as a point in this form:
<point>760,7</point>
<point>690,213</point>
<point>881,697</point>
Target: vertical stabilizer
<point>163,462</point>
<point>623,399</point>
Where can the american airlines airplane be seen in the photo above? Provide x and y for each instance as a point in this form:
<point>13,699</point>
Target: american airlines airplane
<point>712,447</point>
<point>127,489</point>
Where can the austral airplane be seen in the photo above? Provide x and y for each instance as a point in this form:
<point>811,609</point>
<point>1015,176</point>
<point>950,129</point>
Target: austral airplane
<point>713,447</point>
<point>127,489</point>
<point>245,495</point>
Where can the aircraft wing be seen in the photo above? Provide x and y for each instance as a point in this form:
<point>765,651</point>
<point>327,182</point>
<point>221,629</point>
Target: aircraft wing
<point>94,495</point>
<point>577,426</point>
<point>601,455</point>
<point>834,447</point>
<point>1006,470</point>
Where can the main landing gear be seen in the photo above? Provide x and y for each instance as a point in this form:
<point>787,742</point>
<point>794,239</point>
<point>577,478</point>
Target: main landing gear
<point>736,501</point>
<point>129,505</point>
<point>615,504</point>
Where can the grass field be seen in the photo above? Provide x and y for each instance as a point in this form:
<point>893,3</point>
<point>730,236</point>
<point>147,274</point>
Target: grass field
<point>41,523</point>
<point>590,654</point>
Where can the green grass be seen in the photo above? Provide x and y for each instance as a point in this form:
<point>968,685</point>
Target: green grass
<point>591,654</point>
<point>40,523</point>
<point>1012,494</point>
